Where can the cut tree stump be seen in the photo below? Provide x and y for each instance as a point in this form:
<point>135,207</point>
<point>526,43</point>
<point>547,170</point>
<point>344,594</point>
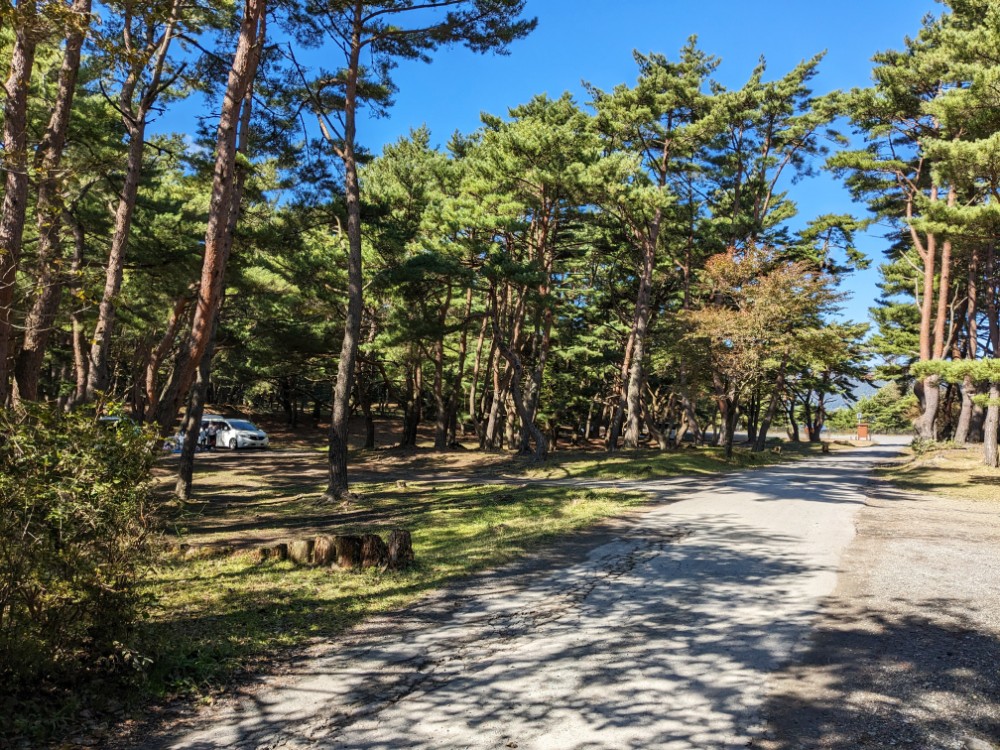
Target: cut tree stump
<point>400,549</point>
<point>278,552</point>
<point>324,550</point>
<point>300,551</point>
<point>374,553</point>
<point>348,551</point>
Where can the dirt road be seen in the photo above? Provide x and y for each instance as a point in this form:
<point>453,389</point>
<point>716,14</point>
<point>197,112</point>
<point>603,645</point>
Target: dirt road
<point>667,633</point>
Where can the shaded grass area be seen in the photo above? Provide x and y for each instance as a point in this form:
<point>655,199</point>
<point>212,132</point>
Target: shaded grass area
<point>950,471</point>
<point>654,463</point>
<point>217,616</point>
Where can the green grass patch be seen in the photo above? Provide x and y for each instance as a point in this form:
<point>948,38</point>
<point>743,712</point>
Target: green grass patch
<point>951,471</point>
<point>216,616</point>
<point>650,464</point>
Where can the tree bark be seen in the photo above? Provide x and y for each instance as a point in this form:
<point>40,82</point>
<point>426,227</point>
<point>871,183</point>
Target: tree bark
<point>218,241</point>
<point>991,431</point>
<point>78,333</point>
<point>15,165</point>
<point>474,384</point>
<point>337,487</point>
<point>39,322</point>
<point>134,118</point>
<point>527,423</point>
<point>965,414</point>
<point>160,352</point>
<point>191,427</point>
<point>772,408</point>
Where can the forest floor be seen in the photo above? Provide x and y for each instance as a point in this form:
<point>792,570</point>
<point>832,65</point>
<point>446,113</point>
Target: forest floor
<point>729,583</point>
<point>673,615</point>
<point>219,617</point>
<point>218,612</point>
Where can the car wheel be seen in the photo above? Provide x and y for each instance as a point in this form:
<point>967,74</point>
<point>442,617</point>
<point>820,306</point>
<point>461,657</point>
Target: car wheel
<point>233,444</point>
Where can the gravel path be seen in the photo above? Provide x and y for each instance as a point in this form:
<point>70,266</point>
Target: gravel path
<point>907,651</point>
<point>663,634</point>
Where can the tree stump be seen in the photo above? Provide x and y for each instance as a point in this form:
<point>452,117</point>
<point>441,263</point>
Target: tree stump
<point>400,549</point>
<point>300,551</point>
<point>826,448</point>
<point>324,550</point>
<point>278,552</point>
<point>348,551</point>
<point>374,553</point>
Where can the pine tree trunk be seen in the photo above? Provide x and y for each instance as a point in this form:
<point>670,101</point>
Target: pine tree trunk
<point>78,334</point>
<point>440,407</point>
<point>926,424</point>
<point>39,323</point>
<point>474,385</point>
<point>218,241</point>
<point>965,415</point>
<point>793,424</point>
<point>991,432</point>
<point>135,123</point>
<point>160,352</point>
<point>191,427</point>
<point>15,164</point>
<point>337,486</point>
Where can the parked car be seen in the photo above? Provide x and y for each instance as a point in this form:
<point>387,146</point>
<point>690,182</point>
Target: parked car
<point>235,433</point>
<point>229,433</point>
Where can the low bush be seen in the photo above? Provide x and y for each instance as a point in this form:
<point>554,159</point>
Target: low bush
<point>75,522</point>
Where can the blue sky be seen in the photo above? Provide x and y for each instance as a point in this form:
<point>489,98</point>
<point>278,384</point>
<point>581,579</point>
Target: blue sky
<point>592,40</point>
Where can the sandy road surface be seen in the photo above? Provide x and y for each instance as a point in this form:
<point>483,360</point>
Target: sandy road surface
<point>663,635</point>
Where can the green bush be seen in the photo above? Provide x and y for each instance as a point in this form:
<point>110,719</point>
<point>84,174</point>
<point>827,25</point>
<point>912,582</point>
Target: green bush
<point>75,520</point>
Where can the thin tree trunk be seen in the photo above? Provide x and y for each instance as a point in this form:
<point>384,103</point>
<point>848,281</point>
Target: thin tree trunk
<point>621,398</point>
<point>199,391</point>
<point>156,358</point>
<point>456,385</point>
<point>729,414</point>
<point>991,457</point>
<point>991,425</point>
<point>793,424</point>
<point>964,428</point>
<point>134,118</point>
<point>15,165</point>
<point>41,318</point>
<point>772,408</point>
<point>79,335</point>
<point>473,416</point>
<point>191,428</point>
<point>527,423</point>
<point>337,488</point>
<point>965,414</point>
<point>440,407</point>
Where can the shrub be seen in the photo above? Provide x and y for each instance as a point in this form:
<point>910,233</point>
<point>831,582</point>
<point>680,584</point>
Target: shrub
<point>74,540</point>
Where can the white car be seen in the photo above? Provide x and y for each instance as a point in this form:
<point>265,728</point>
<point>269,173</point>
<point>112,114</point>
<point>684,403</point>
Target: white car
<point>235,433</point>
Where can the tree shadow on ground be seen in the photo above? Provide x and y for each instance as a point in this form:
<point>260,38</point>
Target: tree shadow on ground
<point>875,680</point>
<point>660,641</point>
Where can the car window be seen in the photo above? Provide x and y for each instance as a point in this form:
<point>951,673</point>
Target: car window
<point>241,424</point>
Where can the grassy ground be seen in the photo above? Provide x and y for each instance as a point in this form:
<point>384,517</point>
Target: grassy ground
<point>214,616</point>
<point>222,614</point>
<point>951,471</point>
<point>650,464</point>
